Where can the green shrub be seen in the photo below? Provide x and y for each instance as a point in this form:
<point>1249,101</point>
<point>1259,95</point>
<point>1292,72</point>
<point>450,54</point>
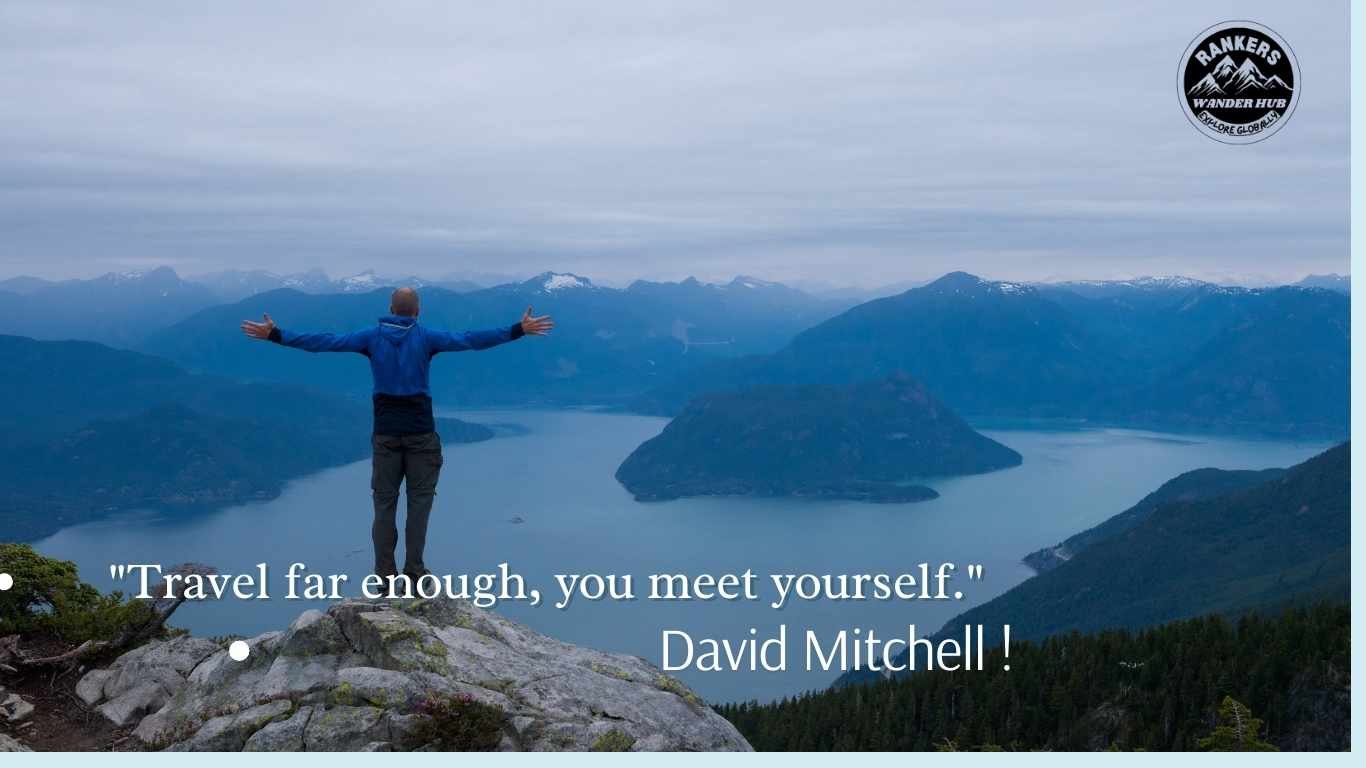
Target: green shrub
<point>48,595</point>
<point>458,723</point>
<point>613,741</point>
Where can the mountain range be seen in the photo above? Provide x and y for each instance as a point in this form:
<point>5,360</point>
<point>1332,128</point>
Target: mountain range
<point>235,285</point>
<point>1170,353</point>
<point>1339,283</point>
<point>123,308</point>
<point>119,309</point>
<point>1179,356</point>
<point>609,344</point>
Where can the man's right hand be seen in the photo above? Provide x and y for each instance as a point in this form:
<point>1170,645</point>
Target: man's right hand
<point>259,330</point>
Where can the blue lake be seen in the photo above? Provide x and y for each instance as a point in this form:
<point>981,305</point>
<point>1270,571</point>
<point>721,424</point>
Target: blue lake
<point>557,479</point>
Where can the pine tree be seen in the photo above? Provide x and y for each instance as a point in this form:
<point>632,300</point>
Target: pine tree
<point>1237,731</point>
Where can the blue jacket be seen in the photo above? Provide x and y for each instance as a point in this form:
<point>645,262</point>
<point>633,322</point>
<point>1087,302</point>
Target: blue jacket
<point>400,353</point>
<point>399,349</point>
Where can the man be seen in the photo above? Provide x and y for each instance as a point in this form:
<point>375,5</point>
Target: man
<point>405,442</point>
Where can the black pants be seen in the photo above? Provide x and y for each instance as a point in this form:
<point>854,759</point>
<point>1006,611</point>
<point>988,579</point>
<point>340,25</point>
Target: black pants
<point>416,458</point>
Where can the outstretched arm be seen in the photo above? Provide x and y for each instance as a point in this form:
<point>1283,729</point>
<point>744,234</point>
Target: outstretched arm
<point>356,341</point>
<point>459,341</point>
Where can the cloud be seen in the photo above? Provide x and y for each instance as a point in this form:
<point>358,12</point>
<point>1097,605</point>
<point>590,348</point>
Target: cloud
<point>842,142</point>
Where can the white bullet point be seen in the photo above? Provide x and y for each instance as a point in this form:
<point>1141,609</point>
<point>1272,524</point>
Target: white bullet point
<point>6,581</point>
<point>239,650</point>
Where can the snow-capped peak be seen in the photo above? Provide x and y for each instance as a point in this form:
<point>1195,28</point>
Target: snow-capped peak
<point>364,281</point>
<point>560,282</point>
<point>746,281</point>
<point>1169,281</point>
<point>1145,282</point>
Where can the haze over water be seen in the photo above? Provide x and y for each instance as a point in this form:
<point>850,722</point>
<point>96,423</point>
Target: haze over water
<point>558,478</point>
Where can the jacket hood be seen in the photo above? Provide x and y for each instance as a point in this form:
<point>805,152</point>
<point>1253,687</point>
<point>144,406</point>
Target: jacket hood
<point>395,328</point>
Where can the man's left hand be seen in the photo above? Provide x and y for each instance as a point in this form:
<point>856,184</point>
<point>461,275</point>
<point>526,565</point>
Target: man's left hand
<point>536,326</point>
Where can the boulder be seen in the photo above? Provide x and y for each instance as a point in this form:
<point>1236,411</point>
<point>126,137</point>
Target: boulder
<point>345,728</point>
<point>371,675</point>
<point>14,709</point>
<point>8,744</point>
<point>229,733</point>
<point>131,705</point>
<point>90,688</point>
<point>285,735</point>
<point>144,679</point>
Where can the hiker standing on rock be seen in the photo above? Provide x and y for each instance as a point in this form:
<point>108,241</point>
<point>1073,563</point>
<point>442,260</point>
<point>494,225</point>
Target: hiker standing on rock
<point>405,442</point>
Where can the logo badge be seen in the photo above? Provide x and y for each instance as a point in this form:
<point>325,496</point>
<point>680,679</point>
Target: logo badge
<point>1239,82</point>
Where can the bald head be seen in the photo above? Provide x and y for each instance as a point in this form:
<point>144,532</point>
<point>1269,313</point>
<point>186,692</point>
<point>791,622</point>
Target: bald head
<point>403,302</point>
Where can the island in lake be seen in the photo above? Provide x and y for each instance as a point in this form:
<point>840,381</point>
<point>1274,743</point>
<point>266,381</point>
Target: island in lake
<point>874,441</point>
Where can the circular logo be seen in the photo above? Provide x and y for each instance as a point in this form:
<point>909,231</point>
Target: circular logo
<point>1239,82</point>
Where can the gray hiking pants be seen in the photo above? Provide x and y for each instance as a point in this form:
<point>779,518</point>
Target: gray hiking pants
<point>416,459</point>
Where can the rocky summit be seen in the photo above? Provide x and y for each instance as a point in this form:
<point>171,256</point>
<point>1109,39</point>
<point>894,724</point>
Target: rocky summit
<point>397,676</point>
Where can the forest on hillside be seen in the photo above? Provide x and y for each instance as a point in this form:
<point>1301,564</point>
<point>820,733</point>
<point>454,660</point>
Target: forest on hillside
<point>1156,689</point>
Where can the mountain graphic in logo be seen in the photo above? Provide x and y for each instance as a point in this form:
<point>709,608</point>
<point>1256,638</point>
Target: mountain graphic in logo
<point>1238,82</point>
<point>1229,79</point>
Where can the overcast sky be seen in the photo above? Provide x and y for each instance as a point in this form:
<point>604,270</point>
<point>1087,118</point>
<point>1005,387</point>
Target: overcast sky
<point>845,142</point>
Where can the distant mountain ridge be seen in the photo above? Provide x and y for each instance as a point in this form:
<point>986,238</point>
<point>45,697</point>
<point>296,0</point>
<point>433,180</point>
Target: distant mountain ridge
<point>1165,353</point>
<point>1106,288</point>
<point>1176,355</point>
<point>235,285</point>
<point>117,308</point>
<point>1339,283</point>
<point>609,343</point>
